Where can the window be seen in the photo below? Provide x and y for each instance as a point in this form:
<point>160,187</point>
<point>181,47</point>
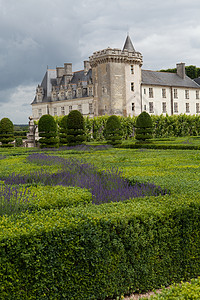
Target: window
<point>197,94</point>
<point>187,107</point>
<point>55,111</point>
<point>151,107</point>
<point>90,91</point>
<point>39,113</point>
<point>80,108</point>
<point>186,94</point>
<point>70,108</point>
<point>164,107</point>
<point>62,110</point>
<point>145,107</point>
<point>164,93</point>
<point>132,86</point>
<point>133,106</point>
<point>62,96</point>
<point>79,94</point>
<point>197,108</point>
<point>175,93</point>
<point>69,95</point>
<point>54,96</point>
<point>39,98</point>
<point>90,108</point>
<point>144,91</point>
<point>175,107</point>
<point>151,93</point>
<point>132,69</point>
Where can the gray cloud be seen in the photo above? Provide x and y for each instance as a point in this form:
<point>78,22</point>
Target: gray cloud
<point>37,33</point>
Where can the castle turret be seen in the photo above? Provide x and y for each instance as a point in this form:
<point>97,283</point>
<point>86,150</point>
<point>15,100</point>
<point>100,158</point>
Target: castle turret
<point>116,77</point>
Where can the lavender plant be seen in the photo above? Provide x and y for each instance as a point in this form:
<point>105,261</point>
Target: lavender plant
<point>13,199</point>
<point>105,186</point>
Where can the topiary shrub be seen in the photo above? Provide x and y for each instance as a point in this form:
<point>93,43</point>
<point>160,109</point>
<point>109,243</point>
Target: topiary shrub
<point>75,128</point>
<point>47,132</point>
<point>63,131</point>
<point>18,142</point>
<point>144,126</point>
<point>6,132</point>
<point>113,132</point>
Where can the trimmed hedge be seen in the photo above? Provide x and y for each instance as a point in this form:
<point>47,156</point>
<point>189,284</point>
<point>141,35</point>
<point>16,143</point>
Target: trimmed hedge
<point>159,146</point>
<point>186,290</point>
<point>47,197</point>
<point>100,251</point>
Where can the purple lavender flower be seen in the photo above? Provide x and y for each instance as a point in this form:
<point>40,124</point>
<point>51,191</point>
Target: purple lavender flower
<point>105,186</point>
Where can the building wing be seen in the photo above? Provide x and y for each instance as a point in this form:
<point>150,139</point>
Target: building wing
<point>167,79</point>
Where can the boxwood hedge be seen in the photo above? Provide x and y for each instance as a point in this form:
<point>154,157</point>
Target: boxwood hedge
<point>95,252</point>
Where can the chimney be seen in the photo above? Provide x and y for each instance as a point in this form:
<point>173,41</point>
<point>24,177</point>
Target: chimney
<point>86,66</point>
<point>180,70</point>
<point>68,69</point>
<point>60,71</point>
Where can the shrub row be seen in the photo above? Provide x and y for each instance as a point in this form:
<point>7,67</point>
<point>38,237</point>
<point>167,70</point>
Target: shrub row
<point>163,126</point>
<point>159,146</point>
<point>186,290</point>
<point>99,251</point>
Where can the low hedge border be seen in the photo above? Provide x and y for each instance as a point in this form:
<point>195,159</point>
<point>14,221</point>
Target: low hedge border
<point>159,146</point>
<point>100,251</point>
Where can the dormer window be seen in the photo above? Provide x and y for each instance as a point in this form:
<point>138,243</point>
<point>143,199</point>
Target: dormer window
<point>79,93</point>
<point>62,95</point>
<point>69,95</point>
<point>54,96</point>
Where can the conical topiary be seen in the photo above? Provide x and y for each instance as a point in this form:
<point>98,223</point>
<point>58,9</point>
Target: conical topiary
<point>75,128</point>
<point>47,128</point>
<point>6,132</point>
<point>113,133</point>
<point>144,126</point>
<point>63,131</point>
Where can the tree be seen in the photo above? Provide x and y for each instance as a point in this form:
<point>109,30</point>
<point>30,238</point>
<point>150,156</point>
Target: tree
<point>63,130</point>
<point>75,128</point>
<point>113,133</point>
<point>47,132</point>
<point>190,71</point>
<point>6,132</point>
<point>143,126</point>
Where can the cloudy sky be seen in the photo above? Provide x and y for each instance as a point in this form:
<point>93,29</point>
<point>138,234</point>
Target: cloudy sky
<point>35,34</point>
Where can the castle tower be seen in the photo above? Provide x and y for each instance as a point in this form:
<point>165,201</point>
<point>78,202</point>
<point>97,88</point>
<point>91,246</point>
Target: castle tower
<point>117,78</point>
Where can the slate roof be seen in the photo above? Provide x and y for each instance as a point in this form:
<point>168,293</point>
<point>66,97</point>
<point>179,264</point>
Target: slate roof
<point>50,80</point>
<point>197,80</point>
<point>167,79</point>
<point>128,45</point>
<point>80,76</point>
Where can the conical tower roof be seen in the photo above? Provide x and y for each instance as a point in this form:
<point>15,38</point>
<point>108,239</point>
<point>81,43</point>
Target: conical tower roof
<point>128,45</point>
